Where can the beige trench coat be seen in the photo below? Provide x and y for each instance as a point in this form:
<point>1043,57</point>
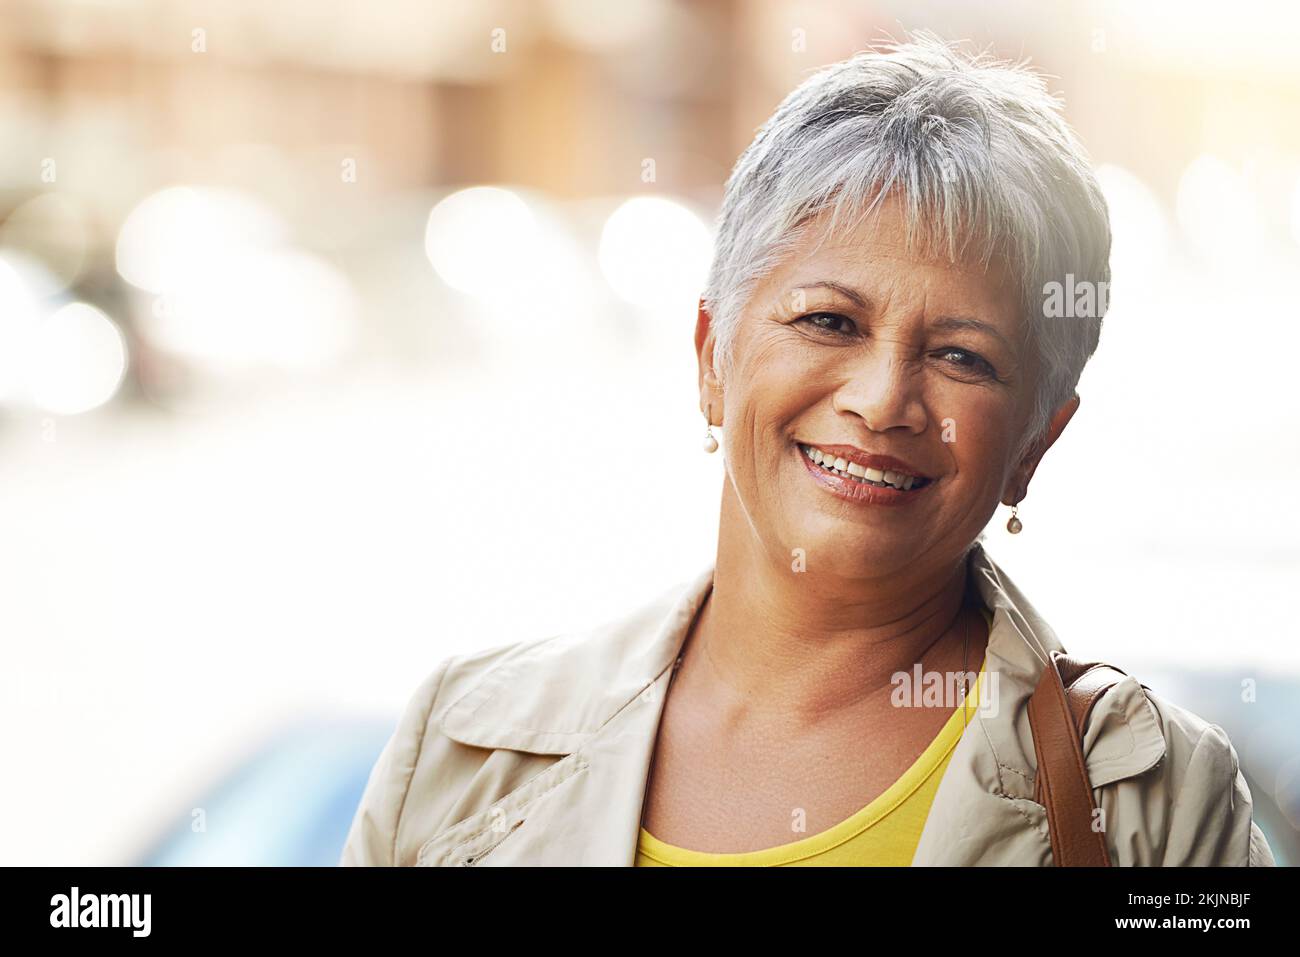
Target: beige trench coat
<point>537,753</point>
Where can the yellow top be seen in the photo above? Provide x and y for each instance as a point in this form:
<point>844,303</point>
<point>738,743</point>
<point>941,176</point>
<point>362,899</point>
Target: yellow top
<point>884,833</point>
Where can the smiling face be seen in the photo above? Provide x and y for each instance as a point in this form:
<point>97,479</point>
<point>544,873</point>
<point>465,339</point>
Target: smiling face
<point>859,344</point>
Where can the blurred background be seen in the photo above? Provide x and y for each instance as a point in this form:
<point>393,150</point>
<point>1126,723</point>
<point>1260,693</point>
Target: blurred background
<point>276,277</point>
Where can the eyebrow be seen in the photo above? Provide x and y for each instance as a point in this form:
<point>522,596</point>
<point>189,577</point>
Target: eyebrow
<point>953,323</point>
<point>848,292</point>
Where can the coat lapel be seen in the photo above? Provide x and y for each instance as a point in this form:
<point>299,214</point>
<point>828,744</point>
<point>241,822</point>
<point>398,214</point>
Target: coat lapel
<point>595,703</point>
<point>591,816</point>
<point>983,807</point>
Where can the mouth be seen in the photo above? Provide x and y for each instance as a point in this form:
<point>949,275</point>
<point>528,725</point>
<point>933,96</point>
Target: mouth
<point>833,462</point>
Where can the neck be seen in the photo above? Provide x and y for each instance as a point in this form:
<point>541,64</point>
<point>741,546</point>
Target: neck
<point>774,641</point>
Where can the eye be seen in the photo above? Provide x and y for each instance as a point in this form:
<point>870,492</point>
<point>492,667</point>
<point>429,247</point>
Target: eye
<point>826,322</point>
<point>971,363</point>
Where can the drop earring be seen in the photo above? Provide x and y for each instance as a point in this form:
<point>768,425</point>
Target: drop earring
<point>1014,524</point>
<point>710,443</point>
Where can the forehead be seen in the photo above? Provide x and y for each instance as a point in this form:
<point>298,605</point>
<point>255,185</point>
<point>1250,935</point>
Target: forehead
<point>872,254</point>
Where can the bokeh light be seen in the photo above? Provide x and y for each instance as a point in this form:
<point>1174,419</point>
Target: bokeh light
<point>279,307</point>
<point>655,253</point>
<point>77,360</point>
<point>181,235</point>
<point>53,229</point>
<point>483,241</point>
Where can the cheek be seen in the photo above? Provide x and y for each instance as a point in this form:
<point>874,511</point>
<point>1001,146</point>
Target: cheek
<point>976,427</point>
<point>777,384</point>
<point>771,358</point>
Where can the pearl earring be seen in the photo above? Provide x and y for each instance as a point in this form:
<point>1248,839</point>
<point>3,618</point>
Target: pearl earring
<point>710,443</point>
<point>1014,525</point>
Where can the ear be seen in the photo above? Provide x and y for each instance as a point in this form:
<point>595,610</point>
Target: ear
<point>710,387</point>
<point>1018,485</point>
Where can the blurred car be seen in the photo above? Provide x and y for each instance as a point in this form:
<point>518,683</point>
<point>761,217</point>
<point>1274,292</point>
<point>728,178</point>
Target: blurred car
<point>289,804</point>
<point>1261,716</point>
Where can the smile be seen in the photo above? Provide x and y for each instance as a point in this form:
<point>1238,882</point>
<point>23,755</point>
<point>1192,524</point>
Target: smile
<point>852,471</point>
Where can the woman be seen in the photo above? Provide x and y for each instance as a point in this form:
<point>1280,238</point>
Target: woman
<point>875,333</point>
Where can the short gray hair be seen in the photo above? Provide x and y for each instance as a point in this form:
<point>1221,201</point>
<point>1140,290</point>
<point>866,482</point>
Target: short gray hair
<point>982,158</point>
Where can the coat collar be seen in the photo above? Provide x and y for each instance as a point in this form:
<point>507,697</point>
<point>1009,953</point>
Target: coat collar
<point>594,700</point>
<point>554,695</point>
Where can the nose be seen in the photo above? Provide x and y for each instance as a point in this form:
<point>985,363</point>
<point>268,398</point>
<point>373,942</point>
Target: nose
<point>884,391</point>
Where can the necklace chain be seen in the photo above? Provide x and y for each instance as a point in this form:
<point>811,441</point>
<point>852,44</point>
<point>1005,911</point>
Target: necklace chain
<point>965,647</point>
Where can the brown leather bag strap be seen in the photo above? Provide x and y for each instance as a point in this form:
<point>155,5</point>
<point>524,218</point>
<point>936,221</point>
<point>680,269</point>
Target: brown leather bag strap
<point>1058,714</point>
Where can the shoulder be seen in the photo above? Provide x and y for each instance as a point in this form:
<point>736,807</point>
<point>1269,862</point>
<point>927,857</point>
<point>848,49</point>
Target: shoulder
<point>481,723</point>
<point>1192,806</point>
<point>412,788</point>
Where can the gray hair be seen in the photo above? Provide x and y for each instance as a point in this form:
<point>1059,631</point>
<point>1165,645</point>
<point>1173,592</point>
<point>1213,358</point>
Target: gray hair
<point>983,160</point>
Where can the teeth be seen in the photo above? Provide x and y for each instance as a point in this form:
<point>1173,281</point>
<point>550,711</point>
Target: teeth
<point>888,478</point>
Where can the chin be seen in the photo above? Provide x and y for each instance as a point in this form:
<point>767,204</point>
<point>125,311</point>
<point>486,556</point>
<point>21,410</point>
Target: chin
<point>849,549</point>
